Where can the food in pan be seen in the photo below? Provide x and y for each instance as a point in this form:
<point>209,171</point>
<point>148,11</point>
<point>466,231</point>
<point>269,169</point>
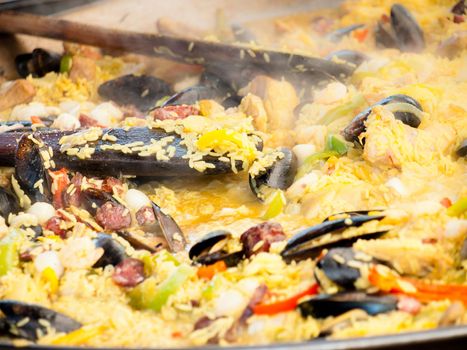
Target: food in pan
<point>143,209</point>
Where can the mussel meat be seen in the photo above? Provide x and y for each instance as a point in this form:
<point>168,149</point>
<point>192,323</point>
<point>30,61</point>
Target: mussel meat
<point>38,63</point>
<point>405,108</point>
<point>29,321</point>
<point>274,171</point>
<point>326,305</point>
<point>140,91</point>
<point>210,249</point>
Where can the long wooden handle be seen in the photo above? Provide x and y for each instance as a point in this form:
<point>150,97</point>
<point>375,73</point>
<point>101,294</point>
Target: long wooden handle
<point>179,49</point>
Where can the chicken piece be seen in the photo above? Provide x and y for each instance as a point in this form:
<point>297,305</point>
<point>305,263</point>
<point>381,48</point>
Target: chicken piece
<point>408,256</point>
<point>253,106</point>
<point>82,50</point>
<point>314,134</point>
<point>83,68</point>
<point>279,100</point>
<point>18,92</point>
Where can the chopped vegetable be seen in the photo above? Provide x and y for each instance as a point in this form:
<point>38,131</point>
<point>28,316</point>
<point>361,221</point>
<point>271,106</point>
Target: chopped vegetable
<point>458,208</point>
<point>79,336</point>
<point>343,110</point>
<point>65,63</point>
<point>49,276</point>
<point>446,202</point>
<point>386,280</point>
<point>361,34</point>
<point>312,160</point>
<point>208,272</point>
<point>336,144</point>
<point>8,254</point>
<point>60,183</point>
<point>285,305</point>
<point>276,203</point>
<point>153,296</point>
<point>36,120</point>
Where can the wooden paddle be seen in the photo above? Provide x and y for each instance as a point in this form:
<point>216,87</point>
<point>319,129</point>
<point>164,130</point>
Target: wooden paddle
<point>178,49</point>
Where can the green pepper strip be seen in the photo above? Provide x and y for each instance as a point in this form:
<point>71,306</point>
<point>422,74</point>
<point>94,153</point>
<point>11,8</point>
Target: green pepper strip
<point>458,208</point>
<point>276,205</point>
<point>65,63</point>
<point>310,161</point>
<point>342,110</point>
<point>150,295</point>
<point>336,144</point>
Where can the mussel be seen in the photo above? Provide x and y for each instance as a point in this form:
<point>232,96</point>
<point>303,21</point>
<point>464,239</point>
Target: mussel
<point>141,91</point>
<point>339,34</point>
<point>274,171</point>
<point>342,266</point>
<point>38,63</point>
<point>403,32</point>
<point>351,57</point>
<point>114,252</point>
<point>326,305</point>
<point>405,108</point>
<point>30,321</point>
<point>169,229</point>
<point>459,8</point>
<point>210,249</point>
<point>462,149</point>
<point>8,203</point>
<point>305,244</point>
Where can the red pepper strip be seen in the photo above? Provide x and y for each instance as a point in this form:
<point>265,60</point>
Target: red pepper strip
<point>61,181</point>
<point>36,120</point>
<point>284,305</point>
<point>446,202</point>
<point>208,272</point>
<point>422,291</point>
<point>361,34</point>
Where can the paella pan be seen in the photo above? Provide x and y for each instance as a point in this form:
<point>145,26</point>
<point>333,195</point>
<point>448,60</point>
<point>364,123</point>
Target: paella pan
<point>150,203</point>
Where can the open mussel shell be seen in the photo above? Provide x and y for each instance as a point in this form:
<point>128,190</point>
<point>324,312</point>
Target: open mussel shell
<point>409,34</point>
<point>406,109</point>
<point>172,233</point>
<point>141,91</point>
<point>204,251</point>
<point>94,198</point>
<point>114,252</point>
<point>341,266</point>
<point>462,150</point>
<point>279,175</point>
<point>305,244</point>
<point>30,168</point>
<point>16,313</point>
<point>38,63</point>
<point>385,36</point>
<point>8,203</point>
<point>326,305</point>
<point>459,8</point>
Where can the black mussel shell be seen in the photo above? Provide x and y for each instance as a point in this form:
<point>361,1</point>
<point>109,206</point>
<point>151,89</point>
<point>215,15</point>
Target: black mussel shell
<point>352,57</point>
<point>140,91</point>
<point>207,242</point>
<point>30,169</point>
<point>38,63</point>
<point>94,198</point>
<point>230,259</point>
<point>16,312</point>
<point>385,36</point>
<point>460,8</point>
<point>279,175</point>
<point>349,214</point>
<point>172,233</point>
<point>462,150</point>
<point>336,267</point>
<point>409,34</point>
<point>357,125</point>
<point>114,252</point>
<point>326,305</point>
<point>339,34</point>
<point>8,203</point>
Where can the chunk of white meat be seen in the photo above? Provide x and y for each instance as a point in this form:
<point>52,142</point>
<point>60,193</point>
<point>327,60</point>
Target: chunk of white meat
<point>49,259</point>
<point>79,253</point>
<point>66,121</point>
<point>302,151</point>
<point>26,111</point>
<point>333,92</point>
<point>314,135</point>
<point>230,303</point>
<point>15,93</point>
<point>106,114</point>
<point>42,211</point>
<point>136,199</point>
<point>253,107</point>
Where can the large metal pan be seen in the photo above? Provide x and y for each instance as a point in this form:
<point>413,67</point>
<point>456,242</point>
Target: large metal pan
<point>134,14</point>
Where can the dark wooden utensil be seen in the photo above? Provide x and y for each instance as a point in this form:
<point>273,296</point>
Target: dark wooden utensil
<point>178,49</point>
